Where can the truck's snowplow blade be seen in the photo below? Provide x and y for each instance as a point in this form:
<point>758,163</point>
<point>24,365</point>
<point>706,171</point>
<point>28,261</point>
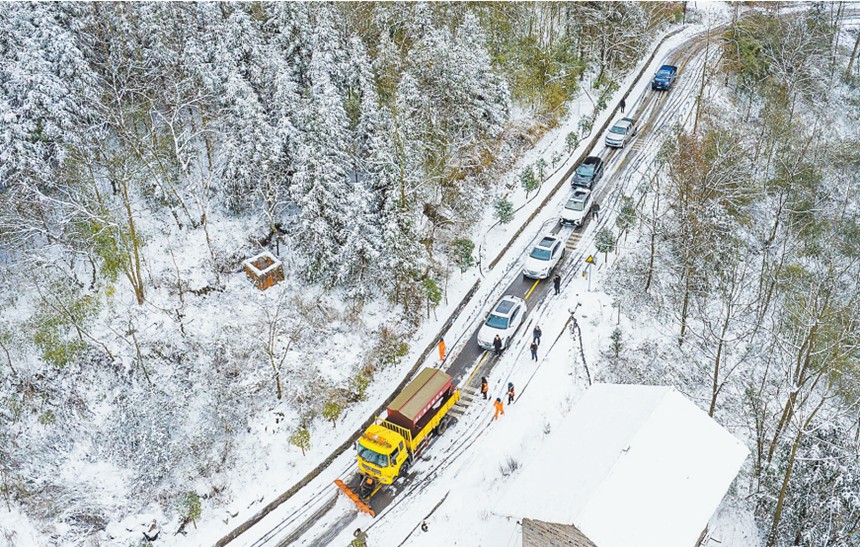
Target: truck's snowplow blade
<point>354,497</point>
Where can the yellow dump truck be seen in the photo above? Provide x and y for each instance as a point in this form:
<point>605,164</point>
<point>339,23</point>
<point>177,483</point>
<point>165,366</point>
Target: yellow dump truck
<point>387,449</point>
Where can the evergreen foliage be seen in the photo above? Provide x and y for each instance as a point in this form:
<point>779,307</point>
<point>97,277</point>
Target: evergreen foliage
<point>463,249</point>
<point>360,142</point>
<point>301,439</point>
<point>617,345</point>
<point>528,180</point>
<point>504,210</point>
<point>604,241</point>
<point>332,410</point>
<point>626,218</point>
<point>540,166</point>
<point>190,507</point>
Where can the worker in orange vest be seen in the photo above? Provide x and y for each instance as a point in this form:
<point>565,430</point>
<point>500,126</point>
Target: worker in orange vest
<point>441,349</point>
<point>485,387</point>
<point>500,408</point>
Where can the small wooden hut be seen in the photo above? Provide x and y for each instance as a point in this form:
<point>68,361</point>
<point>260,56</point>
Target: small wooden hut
<point>264,270</point>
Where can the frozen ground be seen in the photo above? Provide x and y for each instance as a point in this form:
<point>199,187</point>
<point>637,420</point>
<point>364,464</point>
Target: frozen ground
<point>473,483</point>
<point>268,465</point>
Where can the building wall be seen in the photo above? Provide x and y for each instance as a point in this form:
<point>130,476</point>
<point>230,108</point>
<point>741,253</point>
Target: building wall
<point>537,533</point>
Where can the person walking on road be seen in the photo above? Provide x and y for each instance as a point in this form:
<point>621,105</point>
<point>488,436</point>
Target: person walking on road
<point>500,408</point>
<point>595,211</point>
<point>360,538</point>
<point>441,349</point>
<point>485,387</point>
<point>623,104</point>
<point>556,283</point>
<point>534,351</point>
<point>536,334</point>
<point>497,345</point>
<point>510,393</point>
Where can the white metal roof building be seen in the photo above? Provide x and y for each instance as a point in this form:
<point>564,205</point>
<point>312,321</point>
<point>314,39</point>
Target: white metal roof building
<point>630,466</point>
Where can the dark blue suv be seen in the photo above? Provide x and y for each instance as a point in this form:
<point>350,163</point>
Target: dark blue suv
<point>588,173</point>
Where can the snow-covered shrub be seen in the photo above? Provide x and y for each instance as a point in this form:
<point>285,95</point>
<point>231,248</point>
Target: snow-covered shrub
<point>509,466</point>
<point>144,434</point>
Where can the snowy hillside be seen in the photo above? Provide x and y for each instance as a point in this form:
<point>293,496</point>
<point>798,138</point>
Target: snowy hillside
<point>402,160</point>
<point>148,149</point>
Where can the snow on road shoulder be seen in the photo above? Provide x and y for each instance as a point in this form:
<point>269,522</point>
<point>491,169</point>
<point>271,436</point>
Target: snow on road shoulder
<point>475,480</point>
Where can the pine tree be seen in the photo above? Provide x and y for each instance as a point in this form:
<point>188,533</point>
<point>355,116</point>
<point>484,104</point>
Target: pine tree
<point>626,215</point>
<point>396,171</point>
<point>364,241</point>
<point>191,508</point>
<point>571,141</point>
<point>528,180</point>
<point>604,241</point>
<point>332,410</point>
<point>617,345</point>
<point>301,439</point>
<point>504,210</point>
<point>321,188</point>
<point>361,249</point>
<point>540,165</point>
<point>462,249</point>
<point>48,92</point>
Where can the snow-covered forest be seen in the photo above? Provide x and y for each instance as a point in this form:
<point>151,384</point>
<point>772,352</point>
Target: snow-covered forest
<point>147,149</point>
<point>747,256</point>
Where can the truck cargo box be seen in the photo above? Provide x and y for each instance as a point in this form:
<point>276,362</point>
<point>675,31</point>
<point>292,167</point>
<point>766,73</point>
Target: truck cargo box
<point>417,398</point>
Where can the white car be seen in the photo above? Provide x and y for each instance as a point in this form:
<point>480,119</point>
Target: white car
<point>504,320</point>
<point>577,207</point>
<point>543,257</point>
<point>621,133</point>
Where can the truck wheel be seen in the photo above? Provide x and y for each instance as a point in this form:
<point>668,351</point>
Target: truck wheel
<point>404,469</point>
<point>442,427</point>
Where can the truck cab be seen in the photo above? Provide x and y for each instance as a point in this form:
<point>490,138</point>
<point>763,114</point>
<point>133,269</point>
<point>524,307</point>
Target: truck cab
<point>381,453</point>
<point>387,448</point>
<point>664,78</point>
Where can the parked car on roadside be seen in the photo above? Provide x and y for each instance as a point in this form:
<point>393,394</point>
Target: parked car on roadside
<point>544,257</point>
<point>589,172</point>
<point>621,133</point>
<point>506,317</point>
<point>577,207</point>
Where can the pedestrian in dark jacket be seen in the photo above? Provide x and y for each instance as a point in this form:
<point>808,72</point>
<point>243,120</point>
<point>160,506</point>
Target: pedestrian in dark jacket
<point>536,334</point>
<point>556,283</point>
<point>534,351</point>
<point>595,211</point>
<point>623,104</point>
<point>510,393</point>
<point>485,387</point>
<point>497,345</point>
